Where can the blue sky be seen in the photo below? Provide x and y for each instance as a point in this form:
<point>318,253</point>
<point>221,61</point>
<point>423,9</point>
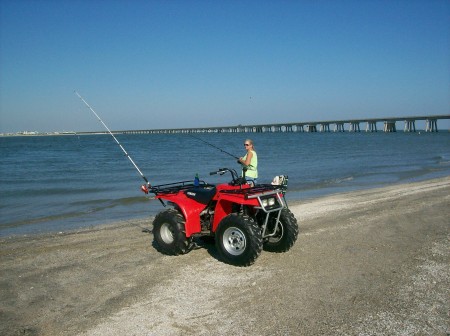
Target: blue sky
<point>163,64</point>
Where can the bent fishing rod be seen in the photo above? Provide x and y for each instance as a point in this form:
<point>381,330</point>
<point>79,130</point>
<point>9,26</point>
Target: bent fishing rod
<point>115,139</point>
<point>215,147</point>
<point>244,167</point>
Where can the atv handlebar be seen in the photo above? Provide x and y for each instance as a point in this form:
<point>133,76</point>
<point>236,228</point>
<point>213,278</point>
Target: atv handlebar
<point>221,171</point>
<point>234,175</point>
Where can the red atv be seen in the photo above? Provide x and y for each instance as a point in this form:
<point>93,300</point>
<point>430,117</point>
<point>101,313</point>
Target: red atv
<point>243,219</point>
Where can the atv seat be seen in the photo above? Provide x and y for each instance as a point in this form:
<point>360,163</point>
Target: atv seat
<point>201,194</point>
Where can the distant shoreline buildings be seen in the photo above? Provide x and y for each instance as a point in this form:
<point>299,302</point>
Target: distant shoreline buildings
<point>35,133</point>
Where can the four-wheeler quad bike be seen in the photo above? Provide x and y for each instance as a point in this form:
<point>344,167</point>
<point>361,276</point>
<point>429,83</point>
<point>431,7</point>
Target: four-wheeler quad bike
<point>242,219</point>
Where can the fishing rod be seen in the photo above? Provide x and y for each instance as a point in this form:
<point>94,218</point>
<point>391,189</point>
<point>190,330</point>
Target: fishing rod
<point>215,147</point>
<point>117,141</point>
<point>244,167</point>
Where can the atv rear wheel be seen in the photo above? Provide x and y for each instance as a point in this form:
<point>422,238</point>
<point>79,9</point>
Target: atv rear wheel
<point>169,233</point>
<point>285,234</point>
<point>238,240</point>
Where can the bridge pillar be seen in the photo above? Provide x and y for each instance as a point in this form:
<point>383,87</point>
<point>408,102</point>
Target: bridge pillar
<point>299,128</point>
<point>431,125</point>
<point>339,127</point>
<point>311,128</point>
<point>410,126</point>
<point>371,126</point>
<point>354,126</point>
<point>277,128</point>
<point>288,128</point>
<point>324,127</point>
<point>389,126</point>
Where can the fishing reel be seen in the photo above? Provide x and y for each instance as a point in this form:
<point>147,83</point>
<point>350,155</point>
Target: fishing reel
<point>144,188</point>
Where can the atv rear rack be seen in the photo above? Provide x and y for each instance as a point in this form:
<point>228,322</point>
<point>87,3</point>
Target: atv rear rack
<point>173,188</point>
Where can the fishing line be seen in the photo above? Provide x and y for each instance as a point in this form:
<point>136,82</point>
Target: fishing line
<point>76,140</point>
<point>115,139</point>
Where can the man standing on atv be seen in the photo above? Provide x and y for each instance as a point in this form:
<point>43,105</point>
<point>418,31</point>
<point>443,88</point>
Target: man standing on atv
<point>249,162</point>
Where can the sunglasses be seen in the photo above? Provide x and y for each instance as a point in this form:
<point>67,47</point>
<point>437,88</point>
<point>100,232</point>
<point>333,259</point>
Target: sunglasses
<point>246,145</point>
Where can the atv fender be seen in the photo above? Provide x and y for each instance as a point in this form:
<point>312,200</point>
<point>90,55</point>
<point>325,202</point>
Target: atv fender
<point>224,206</point>
<point>191,211</point>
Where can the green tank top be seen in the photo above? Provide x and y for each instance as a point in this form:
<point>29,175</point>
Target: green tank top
<point>252,169</point>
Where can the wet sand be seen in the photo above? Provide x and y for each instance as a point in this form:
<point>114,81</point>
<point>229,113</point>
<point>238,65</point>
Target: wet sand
<point>372,262</point>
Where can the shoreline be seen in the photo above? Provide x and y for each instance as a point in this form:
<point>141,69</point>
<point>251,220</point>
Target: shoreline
<point>372,261</point>
<point>298,198</point>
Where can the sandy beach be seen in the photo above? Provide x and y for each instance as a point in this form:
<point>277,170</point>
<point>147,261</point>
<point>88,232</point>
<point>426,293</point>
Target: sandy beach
<point>373,262</point>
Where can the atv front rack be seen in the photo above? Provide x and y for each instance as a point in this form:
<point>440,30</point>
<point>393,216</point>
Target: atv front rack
<point>259,189</point>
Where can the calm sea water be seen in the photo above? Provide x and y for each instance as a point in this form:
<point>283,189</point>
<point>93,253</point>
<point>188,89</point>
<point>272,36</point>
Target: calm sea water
<point>59,183</point>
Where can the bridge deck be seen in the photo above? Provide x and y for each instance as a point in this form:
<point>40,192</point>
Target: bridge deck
<point>311,126</point>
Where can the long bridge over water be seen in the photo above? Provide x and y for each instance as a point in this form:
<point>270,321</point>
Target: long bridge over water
<point>389,125</point>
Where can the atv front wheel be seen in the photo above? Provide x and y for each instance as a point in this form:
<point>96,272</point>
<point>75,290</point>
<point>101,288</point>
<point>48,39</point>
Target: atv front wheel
<point>285,234</point>
<point>169,233</point>
<point>238,240</point>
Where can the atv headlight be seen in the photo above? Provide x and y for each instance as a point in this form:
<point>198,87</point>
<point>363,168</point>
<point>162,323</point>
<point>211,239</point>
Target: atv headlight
<point>268,202</point>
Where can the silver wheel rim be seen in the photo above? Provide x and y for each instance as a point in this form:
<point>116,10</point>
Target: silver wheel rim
<point>234,241</point>
<point>166,233</point>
